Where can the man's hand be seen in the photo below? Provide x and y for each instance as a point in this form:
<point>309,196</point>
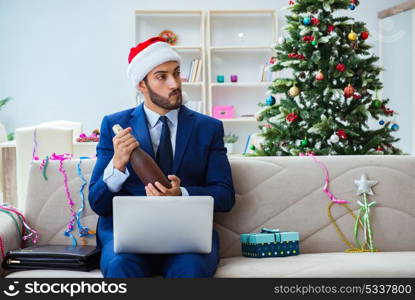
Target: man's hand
<point>124,144</point>
<point>160,190</point>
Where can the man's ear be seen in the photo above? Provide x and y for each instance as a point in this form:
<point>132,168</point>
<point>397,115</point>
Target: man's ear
<point>141,86</point>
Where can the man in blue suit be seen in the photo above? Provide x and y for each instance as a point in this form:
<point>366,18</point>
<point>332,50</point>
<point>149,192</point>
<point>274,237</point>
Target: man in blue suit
<point>188,147</point>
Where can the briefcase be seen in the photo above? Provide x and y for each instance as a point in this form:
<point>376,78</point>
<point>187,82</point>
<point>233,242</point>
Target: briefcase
<point>63,257</point>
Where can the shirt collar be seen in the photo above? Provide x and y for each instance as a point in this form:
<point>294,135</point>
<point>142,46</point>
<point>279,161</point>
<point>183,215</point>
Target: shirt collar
<point>153,117</point>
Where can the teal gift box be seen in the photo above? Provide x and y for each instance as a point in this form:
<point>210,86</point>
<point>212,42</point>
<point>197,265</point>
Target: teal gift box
<point>270,243</point>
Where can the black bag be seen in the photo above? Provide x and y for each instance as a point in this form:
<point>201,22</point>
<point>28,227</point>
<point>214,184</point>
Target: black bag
<point>63,257</point>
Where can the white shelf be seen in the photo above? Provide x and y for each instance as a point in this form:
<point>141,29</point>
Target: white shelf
<point>241,84</point>
<point>185,83</point>
<point>168,12</point>
<point>236,156</point>
<point>241,48</point>
<point>189,26</point>
<point>189,48</point>
<point>240,120</point>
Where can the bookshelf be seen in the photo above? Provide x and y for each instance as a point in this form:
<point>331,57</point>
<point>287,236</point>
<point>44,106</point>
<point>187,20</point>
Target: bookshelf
<point>189,27</point>
<point>227,42</point>
<point>239,43</point>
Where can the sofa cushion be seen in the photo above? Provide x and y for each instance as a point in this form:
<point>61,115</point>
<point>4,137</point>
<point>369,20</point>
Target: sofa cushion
<point>335,264</point>
<point>9,233</point>
<point>55,274</point>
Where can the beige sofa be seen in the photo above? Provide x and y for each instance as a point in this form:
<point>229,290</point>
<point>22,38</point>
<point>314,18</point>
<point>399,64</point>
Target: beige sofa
<point>274,192</point>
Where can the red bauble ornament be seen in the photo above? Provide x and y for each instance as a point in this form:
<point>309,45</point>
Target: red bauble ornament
<point>315,21</point>
<point>348,91</point>
<point>364,35</point>
<point>331,28</point>
<point>356,96</point>
<point>292,117</point>
<point>320,76</point>
<point>297,56</point>
<point>341,67</point>
<point>342,134</point>
<point>308,38</point>
<point>387,111</point>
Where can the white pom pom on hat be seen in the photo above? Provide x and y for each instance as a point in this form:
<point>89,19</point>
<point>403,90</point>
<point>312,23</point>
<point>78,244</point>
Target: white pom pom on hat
<point>146,56</point>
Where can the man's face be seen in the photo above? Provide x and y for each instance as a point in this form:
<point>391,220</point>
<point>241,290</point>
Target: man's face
<point>163,86</point>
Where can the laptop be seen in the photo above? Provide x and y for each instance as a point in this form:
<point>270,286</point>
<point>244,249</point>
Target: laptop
<point>163,225</point>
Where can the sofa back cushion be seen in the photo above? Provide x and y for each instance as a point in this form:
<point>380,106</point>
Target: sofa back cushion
<point>287,193</point>
<point>47,209</point>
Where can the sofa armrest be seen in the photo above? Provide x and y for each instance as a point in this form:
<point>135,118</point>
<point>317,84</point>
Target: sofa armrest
<point>9,234</point>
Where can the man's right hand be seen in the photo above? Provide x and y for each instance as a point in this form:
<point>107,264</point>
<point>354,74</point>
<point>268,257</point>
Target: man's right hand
<point>124,144</point>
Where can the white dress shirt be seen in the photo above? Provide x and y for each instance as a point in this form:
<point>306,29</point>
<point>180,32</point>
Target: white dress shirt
<point>114,178</point>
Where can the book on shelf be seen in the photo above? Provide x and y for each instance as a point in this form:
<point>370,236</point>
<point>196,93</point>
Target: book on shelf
<point>261,72</point>
<point>247,145</point>
<point>265,74</point>
<point>195,71</point>
<point>198,71</point>
<point>252,140</point>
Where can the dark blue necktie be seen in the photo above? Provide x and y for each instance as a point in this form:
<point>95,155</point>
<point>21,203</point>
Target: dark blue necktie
<point>165,150</point>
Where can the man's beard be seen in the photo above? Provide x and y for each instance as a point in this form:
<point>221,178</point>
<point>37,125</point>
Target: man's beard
<point>164,102</point>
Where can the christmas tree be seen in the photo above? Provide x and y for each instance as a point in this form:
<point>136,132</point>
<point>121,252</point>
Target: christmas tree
<point>332,92</point>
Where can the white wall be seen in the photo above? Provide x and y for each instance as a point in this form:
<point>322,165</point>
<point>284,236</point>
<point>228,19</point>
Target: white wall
<point>67,59</point>
<point>397,51</point>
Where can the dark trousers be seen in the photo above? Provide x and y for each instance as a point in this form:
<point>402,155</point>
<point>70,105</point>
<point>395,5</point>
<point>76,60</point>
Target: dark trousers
<point>184,265</point>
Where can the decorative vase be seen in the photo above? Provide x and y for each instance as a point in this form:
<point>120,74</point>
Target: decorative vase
<point>229,148</point>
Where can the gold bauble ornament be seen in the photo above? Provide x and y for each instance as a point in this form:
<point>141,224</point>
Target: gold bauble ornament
<point>294,91</point>
<point>352,36</point>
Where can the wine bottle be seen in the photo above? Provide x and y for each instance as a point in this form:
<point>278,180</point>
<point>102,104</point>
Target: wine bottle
<point>144,165</point>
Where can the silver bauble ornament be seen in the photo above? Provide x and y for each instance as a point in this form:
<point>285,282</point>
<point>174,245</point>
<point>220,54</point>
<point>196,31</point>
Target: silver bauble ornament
<point>334,139</point>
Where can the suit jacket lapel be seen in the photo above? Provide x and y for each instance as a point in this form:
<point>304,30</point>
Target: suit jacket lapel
<point>138,123</point>
<point>185,124</point>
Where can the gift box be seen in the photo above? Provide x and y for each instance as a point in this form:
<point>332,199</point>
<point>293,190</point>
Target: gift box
<point>224,112</point>
<point>270,243</point>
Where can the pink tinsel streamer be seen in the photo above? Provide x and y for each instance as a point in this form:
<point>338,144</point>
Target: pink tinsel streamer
<point>326,185</point>
<point>34,157</point>
<point>33,234</point>
<point>2,248</point>
<point>61,158</point>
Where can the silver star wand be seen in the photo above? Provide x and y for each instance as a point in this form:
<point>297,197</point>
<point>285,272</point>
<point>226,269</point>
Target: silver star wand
<point>364,186</point>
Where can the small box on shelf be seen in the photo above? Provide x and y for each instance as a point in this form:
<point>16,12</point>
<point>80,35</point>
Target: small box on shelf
<point>224,112</point>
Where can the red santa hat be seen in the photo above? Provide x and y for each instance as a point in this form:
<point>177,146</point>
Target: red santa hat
<point>146,56</point>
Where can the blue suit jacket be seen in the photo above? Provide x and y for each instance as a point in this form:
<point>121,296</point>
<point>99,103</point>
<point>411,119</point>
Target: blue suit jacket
<point>200,162</point>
